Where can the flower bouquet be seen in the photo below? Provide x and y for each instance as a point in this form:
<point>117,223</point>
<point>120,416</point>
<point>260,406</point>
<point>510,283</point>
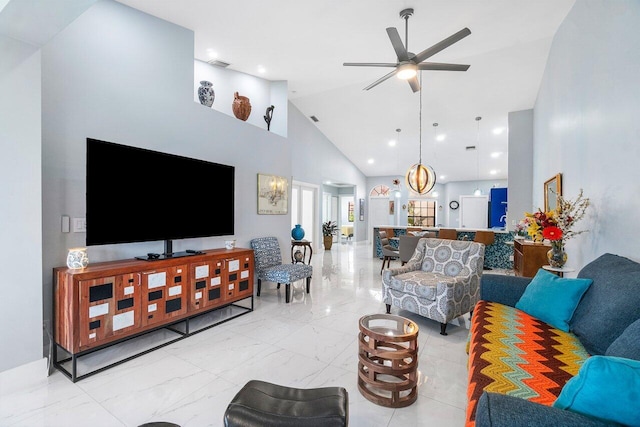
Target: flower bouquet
<point>557,226</point>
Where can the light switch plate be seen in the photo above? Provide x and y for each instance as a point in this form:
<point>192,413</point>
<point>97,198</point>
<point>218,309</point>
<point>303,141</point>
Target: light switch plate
<point>79,225</point>
<point>66,223</point>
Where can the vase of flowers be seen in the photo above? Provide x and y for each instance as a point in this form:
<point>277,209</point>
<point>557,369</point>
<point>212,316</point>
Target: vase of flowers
<point>557,226</point>
<point>556,255</point>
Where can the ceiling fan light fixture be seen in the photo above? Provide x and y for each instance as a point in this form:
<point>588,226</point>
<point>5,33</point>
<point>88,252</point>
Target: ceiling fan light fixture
<point>407,71</point>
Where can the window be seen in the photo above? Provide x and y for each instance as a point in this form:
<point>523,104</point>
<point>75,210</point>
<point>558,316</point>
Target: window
<point>380,191</point>
<point>422,213</point>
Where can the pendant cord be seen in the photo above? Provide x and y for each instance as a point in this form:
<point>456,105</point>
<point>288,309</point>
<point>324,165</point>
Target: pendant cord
<point>420,117</point>
<point>478,150</point>
<point>406,33</point>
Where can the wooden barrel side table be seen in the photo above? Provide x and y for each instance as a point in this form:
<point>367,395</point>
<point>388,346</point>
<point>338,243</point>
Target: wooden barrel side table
<point>388,360</point>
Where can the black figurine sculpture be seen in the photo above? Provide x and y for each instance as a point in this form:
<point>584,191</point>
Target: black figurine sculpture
<point>268,116</point>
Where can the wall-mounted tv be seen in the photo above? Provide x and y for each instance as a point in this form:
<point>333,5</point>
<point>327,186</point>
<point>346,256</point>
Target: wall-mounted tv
<point>138,195</point>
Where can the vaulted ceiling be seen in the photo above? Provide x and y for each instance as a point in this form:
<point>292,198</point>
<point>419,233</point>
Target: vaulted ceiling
<point>306,44</point>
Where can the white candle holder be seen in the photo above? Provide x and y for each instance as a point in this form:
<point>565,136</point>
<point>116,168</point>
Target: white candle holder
<point>77,258</point>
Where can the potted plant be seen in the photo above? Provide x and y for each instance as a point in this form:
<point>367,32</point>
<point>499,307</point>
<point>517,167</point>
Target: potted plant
<point>329,228</point>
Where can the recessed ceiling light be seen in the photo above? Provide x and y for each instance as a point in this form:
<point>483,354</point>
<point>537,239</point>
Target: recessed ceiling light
<point>261,69</point>
<point>212,53</point>
<point>496,154</point>
<point>441,137</point>
<point>493,171</point>
<point>392,143</point>
<point>370,161</point>
<point>443,177</point>
<point>498,131</point>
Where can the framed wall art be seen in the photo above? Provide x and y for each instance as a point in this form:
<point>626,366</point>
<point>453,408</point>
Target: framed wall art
<point>552,189</point>
<point>361,209</point>
<point>273,195</point>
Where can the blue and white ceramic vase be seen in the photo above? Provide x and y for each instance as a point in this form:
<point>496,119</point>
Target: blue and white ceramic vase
<point>206,95</point>
<point>297,233</point>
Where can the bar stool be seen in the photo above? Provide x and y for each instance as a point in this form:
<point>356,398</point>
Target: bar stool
<point>487,238</point>
<point>448,233</point>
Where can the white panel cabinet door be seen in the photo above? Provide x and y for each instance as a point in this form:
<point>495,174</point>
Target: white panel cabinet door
<point>474,211</point>
<point>378,214</point>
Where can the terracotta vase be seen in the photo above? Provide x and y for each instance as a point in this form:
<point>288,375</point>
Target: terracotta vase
<point>241,107</point>
<point>328,242</point>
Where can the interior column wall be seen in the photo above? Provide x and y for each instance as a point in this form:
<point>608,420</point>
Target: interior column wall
<point>21,207</point>
<point>586,124</point>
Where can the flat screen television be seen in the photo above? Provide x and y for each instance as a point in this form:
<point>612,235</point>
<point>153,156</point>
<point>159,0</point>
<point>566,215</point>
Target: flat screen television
<point>139,195</point>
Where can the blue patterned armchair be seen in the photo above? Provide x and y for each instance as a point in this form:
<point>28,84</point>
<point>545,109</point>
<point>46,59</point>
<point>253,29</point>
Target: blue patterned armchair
<point>269,266</point>
<point>441,281</point>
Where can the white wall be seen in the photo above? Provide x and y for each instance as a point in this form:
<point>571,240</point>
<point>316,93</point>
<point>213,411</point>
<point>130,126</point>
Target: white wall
<point>119,75</point>
<point>586,124</point>
<point>314,159</point>
<point>447,192</point>
<point>20,206</point>
<point>520,191</point>
<point>261,93</point>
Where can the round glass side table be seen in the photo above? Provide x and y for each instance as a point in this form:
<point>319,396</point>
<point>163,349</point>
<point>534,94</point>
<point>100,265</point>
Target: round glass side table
<point>388,360</point>
<point>558,270</point>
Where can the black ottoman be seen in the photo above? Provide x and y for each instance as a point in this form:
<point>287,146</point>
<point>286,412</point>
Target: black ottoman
<point>260,403</point>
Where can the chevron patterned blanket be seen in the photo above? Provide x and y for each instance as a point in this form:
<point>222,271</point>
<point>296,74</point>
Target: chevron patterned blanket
<point>511,352</point>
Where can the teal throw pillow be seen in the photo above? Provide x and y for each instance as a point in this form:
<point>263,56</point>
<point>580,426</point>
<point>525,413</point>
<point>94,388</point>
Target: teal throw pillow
<point>553,299</point>
<point>606,387</point>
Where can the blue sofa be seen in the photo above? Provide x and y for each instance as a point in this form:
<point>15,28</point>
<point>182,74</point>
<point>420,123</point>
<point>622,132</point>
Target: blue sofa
<point>606,322</point>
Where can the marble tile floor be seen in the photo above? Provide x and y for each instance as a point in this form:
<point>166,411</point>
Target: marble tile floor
<point>310,342</point>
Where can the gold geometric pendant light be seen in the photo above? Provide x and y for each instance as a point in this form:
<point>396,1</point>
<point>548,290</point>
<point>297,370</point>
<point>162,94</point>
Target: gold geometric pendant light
<point>420,178</point>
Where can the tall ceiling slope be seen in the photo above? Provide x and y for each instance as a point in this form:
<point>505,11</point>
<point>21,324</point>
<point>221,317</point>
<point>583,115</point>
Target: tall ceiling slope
<point>37,21</point>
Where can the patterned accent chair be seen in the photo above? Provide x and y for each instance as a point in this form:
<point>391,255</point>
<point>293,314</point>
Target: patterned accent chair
<point>441,281</point>
<point>269,266</point>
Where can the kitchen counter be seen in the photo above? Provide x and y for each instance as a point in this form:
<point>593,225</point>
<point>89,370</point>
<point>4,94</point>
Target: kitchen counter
<point>497,255</point>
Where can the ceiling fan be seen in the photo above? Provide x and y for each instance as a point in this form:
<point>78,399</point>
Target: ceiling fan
<point>408,63</point>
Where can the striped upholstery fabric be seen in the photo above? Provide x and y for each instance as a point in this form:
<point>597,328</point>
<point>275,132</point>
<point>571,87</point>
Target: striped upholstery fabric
<point>513,353</point>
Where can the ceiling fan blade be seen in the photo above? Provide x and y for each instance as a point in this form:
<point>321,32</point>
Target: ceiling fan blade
<point>398,46</point>
<point>415,85</point>
<point>380,80</point>
<point>369,64</point>
<point>430,51</point>
<point>442,67</point>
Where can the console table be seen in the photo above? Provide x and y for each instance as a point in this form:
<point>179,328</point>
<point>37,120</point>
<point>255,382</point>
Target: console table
<point>304,244</point>
<point>109,303</point>
<point>559,271</point>
<point>529,257</point>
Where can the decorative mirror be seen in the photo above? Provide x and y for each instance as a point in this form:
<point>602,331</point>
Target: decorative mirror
<point>552,189</point>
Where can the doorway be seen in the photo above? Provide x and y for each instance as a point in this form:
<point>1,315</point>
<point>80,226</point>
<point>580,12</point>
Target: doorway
<point>304,202</point>
<point>347,218</point>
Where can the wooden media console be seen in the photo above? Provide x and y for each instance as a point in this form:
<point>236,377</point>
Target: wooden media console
<point>106,304</point>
